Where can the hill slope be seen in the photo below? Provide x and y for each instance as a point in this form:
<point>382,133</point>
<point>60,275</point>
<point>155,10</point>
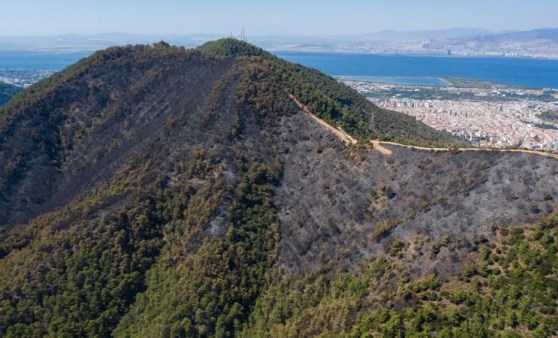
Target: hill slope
<point>7,92</point>
<point>157,191</point>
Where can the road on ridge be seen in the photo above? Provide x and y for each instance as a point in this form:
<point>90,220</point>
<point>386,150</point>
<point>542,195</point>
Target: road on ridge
<point>378,145</point>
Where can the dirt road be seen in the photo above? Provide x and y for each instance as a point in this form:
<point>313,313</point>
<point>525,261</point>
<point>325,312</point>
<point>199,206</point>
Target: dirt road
<point>540,153</point>
<point>378,145</point>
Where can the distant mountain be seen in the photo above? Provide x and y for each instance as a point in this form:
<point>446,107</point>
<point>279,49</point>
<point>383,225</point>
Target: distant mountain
<point>459,41</point>
<point>546,34</point>
<point>535,43</point>
<point>154,191</point>
<point>7,91</point>
<point>540,43</point>
<point>392,35</point>
<point>75,42</point>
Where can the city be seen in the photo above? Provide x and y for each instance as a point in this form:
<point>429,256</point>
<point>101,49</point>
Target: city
<point>23,77</point>
<point>489,117</point>
<point>541,49</point>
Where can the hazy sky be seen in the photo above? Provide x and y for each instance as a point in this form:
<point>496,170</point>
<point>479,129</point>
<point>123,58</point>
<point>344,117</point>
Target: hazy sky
<point>289,17</point>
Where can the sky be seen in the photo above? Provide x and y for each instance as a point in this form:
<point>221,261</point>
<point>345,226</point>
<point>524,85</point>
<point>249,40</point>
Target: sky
<point>268,17</point>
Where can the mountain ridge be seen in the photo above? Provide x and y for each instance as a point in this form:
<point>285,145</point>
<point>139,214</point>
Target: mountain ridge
<point>550,34</point>
<point>344,110</point>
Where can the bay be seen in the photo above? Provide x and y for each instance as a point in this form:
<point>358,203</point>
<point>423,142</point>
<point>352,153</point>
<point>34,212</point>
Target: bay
<point>531,73</point>
<point>25,60</point>
<point>402,69</point>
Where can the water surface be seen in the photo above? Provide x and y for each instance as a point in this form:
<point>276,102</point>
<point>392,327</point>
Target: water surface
<point>533,73</point>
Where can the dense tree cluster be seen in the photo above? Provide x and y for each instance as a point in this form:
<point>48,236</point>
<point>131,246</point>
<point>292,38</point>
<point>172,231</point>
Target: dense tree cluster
<point>550,115</point>
<point>7,92</point>
<point>509,289</point>
<point>232,48</point>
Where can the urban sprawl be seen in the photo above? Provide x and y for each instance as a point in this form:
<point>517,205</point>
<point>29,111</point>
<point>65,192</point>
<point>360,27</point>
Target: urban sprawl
<point>490,117</point>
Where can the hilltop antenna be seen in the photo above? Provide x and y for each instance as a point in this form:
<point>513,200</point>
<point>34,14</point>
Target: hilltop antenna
<point>242,34</point>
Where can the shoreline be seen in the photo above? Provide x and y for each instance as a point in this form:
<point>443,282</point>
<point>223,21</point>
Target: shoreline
<point>426,55</point>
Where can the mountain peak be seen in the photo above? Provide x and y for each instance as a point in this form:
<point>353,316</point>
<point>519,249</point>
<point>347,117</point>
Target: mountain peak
<point>230,47</point>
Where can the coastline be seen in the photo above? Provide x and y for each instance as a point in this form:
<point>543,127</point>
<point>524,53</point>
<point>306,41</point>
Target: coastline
<point>394,54</point>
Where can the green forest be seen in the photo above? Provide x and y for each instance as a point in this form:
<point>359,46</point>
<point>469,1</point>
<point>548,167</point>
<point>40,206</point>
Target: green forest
<point>7,92</point>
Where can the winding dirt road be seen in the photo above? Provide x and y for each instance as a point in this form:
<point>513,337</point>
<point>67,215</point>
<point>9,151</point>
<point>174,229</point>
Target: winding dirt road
<point>526,151</point>
<point>378,145</point>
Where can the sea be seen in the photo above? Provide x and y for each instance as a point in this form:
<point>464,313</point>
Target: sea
<point>40,60</point>
<point>398,69</point>
<point>430,70</point>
